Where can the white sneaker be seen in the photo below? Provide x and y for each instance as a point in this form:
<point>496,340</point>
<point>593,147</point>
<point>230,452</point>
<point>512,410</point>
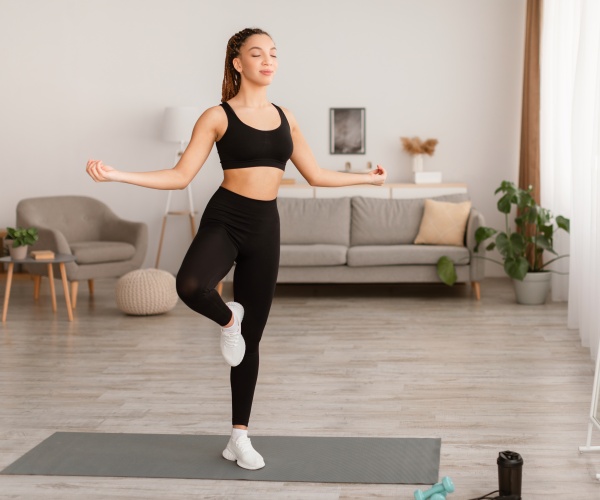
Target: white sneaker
<point>242,452</point>
<point>233,346</point>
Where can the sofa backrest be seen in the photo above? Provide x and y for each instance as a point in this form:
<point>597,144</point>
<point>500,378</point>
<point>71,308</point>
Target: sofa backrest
<point>390,222</point>
<point>314,220</point>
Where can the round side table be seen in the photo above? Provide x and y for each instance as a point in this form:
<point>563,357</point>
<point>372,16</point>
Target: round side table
<point>59,259</point>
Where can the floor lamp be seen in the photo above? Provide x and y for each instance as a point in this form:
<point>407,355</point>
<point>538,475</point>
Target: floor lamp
<point>178,123</point>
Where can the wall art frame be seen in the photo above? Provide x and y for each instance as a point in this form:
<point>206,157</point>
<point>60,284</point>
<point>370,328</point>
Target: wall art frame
<point>347,131</point>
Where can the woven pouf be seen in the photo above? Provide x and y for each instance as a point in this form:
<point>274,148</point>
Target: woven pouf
<point>146,291</point>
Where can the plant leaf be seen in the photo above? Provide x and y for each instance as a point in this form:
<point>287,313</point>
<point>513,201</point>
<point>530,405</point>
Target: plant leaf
<point>542,242</point>
<point>504,203</point>
<point>446,270</point>
<point>482,234</point>
<point>518,243</point>
<point>516,268</point>
<point>563,223</point>
<point>503,245</point>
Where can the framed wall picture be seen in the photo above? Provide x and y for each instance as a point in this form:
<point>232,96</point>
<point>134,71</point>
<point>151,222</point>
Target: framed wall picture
<point>347,131</point>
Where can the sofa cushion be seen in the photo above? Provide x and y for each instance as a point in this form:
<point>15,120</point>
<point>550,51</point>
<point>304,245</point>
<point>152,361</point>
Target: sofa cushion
<point>314,220</point>
<point>94,252</point>
<point>313,255</point>
<point>390,222</point>
<point>390,255</point>
<point>443,223</point>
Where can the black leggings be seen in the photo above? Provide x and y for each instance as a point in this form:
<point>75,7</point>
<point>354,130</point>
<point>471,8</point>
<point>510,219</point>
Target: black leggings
<point>244,230</point>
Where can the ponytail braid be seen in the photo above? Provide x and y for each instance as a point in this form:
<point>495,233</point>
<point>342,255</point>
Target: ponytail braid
<point>232,78</point>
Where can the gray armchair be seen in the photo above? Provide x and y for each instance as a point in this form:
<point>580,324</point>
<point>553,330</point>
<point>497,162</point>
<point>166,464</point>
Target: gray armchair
<point>104,245</point>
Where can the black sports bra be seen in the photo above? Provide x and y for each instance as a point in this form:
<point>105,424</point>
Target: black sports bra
<point>244,146</point>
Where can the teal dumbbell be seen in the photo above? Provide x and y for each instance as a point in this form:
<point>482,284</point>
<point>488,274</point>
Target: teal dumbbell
<point>437,491</point>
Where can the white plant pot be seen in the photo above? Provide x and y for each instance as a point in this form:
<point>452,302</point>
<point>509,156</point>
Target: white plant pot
<point>534,289</point>
<point>18,253</point>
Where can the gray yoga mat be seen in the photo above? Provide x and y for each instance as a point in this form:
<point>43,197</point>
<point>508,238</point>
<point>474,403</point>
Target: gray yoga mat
<point>312,459</point>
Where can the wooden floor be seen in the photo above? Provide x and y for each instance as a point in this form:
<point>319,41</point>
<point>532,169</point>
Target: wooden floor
<point>414,361</point>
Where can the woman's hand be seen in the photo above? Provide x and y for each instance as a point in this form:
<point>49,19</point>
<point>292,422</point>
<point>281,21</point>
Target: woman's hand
<point>377,176</point>
<point>101,172</point>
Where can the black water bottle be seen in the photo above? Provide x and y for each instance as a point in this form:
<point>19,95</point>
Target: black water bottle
<point>510,473</point>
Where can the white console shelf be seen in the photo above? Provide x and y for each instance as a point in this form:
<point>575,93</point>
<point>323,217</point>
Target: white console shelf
<point>388,191</point>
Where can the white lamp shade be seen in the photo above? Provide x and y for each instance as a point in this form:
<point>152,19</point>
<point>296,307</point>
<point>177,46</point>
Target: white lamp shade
<point>179,122</point>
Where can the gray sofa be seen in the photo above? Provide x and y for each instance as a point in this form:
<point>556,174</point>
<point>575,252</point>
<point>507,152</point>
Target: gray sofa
<point>367,240</point>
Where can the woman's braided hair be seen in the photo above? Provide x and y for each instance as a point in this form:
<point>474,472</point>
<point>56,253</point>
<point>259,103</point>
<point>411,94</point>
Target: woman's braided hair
<point>232,79</point>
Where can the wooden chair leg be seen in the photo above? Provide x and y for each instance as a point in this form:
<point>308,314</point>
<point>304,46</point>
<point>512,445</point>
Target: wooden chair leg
<point>52,290</point>
<point>74,288</point>
<point>477,289</point>
<point>91,287</point>
<point>37,279</point>
<point>9,276</point>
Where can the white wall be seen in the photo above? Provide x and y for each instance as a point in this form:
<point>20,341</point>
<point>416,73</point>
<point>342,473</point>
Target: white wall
<point>90,79</point>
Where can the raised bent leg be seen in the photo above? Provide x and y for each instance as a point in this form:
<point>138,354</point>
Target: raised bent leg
<point>208,260</point>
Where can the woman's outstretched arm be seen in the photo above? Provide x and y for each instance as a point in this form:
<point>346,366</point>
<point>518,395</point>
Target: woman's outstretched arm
<point>305,162</point>
<point>203,137</point>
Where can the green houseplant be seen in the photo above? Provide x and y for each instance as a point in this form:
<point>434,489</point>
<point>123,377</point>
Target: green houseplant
<point>21,239</point>
<point>521,249</point>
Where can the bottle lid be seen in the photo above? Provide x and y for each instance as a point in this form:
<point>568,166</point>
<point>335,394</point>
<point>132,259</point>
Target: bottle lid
<point>509,459</point>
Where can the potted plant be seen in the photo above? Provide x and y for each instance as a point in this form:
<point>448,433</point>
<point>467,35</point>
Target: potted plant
<point>522,249</point>
<point>21,239</point>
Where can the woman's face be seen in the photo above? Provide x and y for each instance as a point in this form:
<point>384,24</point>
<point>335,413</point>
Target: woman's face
<point>257,61</point>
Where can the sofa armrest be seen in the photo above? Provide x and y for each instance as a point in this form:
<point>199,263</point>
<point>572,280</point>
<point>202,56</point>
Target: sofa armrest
<point>134,233</point>
<point>477,263</point>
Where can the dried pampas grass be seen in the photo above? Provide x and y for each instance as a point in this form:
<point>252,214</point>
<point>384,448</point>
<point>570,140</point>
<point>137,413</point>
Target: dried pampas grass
<point>415,146</point>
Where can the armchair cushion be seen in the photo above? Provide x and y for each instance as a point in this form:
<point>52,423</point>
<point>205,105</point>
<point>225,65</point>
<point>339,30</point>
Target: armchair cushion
<point>94,252</point>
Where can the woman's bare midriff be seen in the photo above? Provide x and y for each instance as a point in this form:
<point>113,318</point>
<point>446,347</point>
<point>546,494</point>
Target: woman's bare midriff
<point>259,183</point>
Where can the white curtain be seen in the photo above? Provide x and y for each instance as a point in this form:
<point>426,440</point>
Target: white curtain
<point>570,152</point>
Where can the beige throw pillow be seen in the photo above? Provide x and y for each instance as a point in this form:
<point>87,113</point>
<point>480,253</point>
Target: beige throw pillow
<point>443,223</point>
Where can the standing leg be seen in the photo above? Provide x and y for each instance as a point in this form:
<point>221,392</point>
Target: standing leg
<point>254,286</point>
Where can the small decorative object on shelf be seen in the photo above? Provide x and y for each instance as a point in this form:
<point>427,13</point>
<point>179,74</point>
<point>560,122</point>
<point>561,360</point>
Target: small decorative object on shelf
<point>21,239</point>
<point>428,177</point>
<point>417,148</point>
<point>42,254</point>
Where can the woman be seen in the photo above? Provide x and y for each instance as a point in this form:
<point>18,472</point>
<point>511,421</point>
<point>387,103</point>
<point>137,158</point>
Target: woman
<point>240,224</point>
